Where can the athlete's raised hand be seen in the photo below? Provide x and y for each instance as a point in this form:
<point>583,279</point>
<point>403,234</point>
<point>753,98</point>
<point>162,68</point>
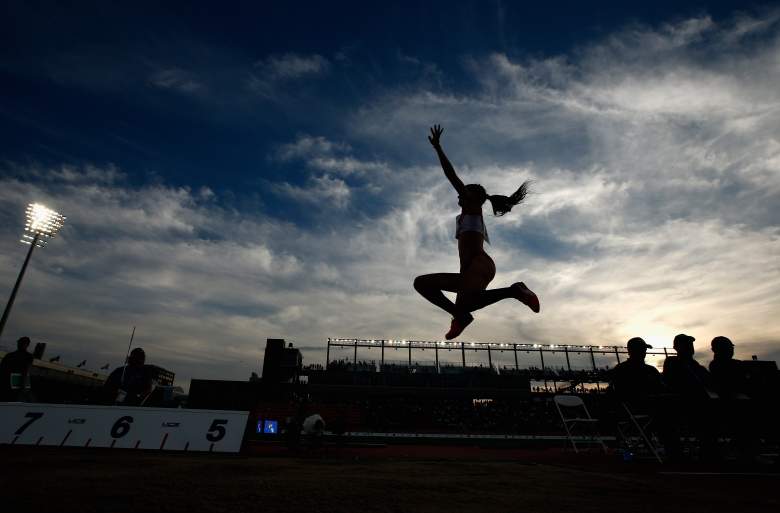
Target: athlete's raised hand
<point>434,138</point>
<point>449,171</point>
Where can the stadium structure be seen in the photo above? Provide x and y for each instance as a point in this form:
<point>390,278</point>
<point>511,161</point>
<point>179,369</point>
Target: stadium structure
<point>439,390</point>
<point>370,390</point>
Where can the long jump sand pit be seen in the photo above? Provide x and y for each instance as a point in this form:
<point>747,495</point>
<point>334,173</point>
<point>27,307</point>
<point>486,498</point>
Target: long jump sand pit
<point>394,479</point>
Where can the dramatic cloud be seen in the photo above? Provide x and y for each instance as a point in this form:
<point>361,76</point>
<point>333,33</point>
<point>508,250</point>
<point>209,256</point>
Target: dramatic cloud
<point>321,154</point>
<point>291,65</point>
<point>276,73</point>
<point>656,167</point>
<point>325,191</point>
<point>176,79</point>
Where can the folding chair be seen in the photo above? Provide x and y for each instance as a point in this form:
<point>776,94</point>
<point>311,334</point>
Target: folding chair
<point>636,426</point>
<point>579,421</point>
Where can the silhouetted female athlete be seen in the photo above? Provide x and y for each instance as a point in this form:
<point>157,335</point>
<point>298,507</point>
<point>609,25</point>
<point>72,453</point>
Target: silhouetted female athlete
<point>477,269</point>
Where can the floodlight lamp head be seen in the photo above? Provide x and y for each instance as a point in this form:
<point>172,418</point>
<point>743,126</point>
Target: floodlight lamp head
<point>42,224</point>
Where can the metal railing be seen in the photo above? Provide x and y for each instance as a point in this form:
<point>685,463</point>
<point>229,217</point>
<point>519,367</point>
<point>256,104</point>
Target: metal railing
<point>490,347</point>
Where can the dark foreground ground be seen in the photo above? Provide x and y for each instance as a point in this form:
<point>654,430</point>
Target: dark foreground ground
<point>392,479</point>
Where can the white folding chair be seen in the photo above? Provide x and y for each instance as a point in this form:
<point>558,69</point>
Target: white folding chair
<point>636,426</point>
<point>579,425</point>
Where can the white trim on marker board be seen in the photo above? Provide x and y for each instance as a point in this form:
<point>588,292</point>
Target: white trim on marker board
<point>122,427</point>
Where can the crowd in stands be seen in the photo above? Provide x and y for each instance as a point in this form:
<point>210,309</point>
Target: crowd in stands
<point>532,373</point>
<point>459,415</point>
<point>351,366</point>
<point>560,374</point>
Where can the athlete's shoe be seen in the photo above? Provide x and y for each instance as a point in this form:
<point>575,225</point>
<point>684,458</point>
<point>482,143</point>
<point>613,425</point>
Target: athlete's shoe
<point>527,297</point>
<point>458,325</point>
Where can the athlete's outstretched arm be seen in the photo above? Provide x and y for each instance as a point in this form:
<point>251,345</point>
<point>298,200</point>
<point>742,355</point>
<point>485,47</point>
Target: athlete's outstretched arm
<point>449,171</point>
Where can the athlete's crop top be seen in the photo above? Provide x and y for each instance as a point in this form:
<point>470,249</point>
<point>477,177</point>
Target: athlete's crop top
<point>471,223</point>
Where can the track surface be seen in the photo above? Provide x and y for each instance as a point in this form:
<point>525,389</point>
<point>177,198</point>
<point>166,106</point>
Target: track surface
<point>391,479</point>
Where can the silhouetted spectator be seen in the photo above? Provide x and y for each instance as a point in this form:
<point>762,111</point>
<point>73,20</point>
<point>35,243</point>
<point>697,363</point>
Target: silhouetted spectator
<point>737,417</point>
<point>641,388</point>
<point>693,410</point>
<point>684,375</point>
<point>130,384</point>
<point>728,374</point>
<point>15,370</point>
<point>634,380</point>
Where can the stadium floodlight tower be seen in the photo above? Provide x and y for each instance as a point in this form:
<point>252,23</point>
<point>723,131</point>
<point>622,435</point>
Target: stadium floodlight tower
<point>42,224</point>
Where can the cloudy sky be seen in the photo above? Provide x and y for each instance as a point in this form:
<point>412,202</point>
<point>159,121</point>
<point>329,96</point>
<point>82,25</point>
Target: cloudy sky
<point>241,172</point>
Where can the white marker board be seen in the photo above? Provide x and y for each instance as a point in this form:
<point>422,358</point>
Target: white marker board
<point>171,429</point>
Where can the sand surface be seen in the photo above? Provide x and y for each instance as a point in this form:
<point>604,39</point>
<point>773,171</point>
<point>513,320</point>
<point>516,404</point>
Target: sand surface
<point>395,480</point>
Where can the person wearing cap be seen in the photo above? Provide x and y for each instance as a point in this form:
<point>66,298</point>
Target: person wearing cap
<point>15,370</point>
<point>683,374</point>
<point>641,389</point>
<point>130,384</point>
<point>728,375</point>
<point>634,380</point>
<point>737,415</point>
<point>692,384</point>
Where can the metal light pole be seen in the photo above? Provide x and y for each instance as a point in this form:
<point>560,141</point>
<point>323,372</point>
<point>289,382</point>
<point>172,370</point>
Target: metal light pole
<point>42,224</point>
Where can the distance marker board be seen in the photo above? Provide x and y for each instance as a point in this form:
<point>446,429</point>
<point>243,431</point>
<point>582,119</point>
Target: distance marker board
<point>115,427</point>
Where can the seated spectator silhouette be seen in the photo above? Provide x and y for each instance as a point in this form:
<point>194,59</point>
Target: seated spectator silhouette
<point>641,389</point>
<point>15,371</point>
<point>693,385</point>
<point>737,417</point>
<point>633,380</point>
<point>728,374</point>
<point>684,375</point>
<point>130,384</point>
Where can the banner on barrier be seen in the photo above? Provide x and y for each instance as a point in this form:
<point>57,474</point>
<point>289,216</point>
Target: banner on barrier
<point>172,429</point>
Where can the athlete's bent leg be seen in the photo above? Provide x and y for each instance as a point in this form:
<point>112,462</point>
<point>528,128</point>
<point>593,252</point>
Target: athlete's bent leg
<point>517,291</point>
<point>430,286</point>
<point>474,281</point>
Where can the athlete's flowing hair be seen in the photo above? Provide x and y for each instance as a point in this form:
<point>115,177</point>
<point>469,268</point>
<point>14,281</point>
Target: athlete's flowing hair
<point>501,204</point>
